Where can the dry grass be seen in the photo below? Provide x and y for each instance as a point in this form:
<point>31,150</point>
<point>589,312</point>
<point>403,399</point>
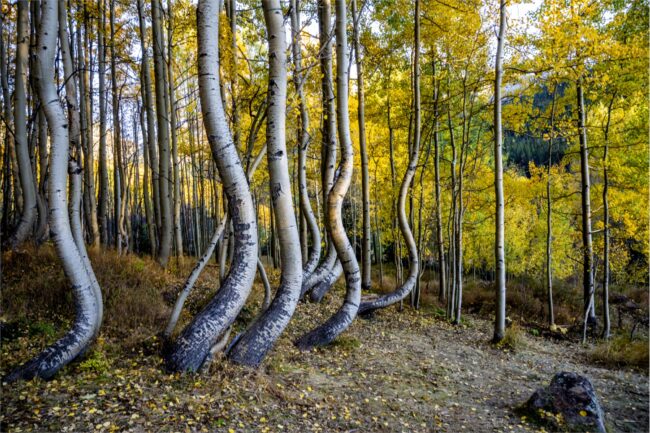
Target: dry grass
<point>620,351</point>
<point>514,338</point>
<point>138,295</point>
<point>133,288</point>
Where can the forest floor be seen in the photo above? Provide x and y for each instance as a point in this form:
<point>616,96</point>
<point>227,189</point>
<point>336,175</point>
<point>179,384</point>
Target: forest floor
<point>398,372</point>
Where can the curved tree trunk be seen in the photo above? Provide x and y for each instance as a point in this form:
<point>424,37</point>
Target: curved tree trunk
<point>401,292</point>
<point>254,344</point>
<point>76,174</point>
<point>28,216</point>
<point>365,181</point>
<point>193,345</point>
<point>77,340</point>
<point>339,322</point>
<point>329,138</point>
<point>499,235</point>
<point>74,140</point>
<point>324,284</point>
<point>305,205</point>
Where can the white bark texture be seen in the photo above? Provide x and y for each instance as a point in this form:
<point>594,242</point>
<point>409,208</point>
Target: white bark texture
<point>339,322</point>
<point>499,229</point>
<point>251,348</point>
<point>193,345</point>
<point>28,215</point>
<point>401,292</point>
<point>77,339</point>
<point>304,140</point>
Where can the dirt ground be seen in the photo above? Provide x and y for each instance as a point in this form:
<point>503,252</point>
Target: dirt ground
<point>397,372</point>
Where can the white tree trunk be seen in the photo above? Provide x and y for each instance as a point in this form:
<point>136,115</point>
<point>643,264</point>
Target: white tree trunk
<point>326,273</point>
<point>193,345</point>
<point>305,205</point>
<point>401,292</point>
<point>77,340</point>
<point>194,275</point>
<point>28,216</point>
<point>339,322</point>
<point>255,343</point>
<point>499,236</point>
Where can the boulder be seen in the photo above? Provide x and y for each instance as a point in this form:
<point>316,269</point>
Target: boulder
<point>570,403</point>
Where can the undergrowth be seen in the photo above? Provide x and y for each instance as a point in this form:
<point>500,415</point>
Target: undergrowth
<point>620,351</point>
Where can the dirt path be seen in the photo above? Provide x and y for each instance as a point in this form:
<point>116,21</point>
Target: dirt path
<point>399,372</point>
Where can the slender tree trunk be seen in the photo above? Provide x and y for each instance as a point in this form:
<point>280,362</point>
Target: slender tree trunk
<point>499,229</point>
<point>606,272</point>
<point>86,113</point>
<point>8,118</point>
<point>194,275</point>
<point>442,274</point>
<point>414,269</point>
<point>119,173</point>
<point>146,196</point>
<point>29,209</point>
<point>42,231</point>
<point>86,324</point>
<point>549,212</point>
<point>366,278</point>
<point>304,140</point>
<point>328,271</point>
<point>178,235</point>
<point>453,290</point>
<point>103,156</point>
<point>380,252</point>
<point>236,127</point>
<point>588,252</point>
<point>151,127</point>
<point>339,322</point>
<point>397,251</point>
<point>203,333</point>
<point>166,220</point>
<point>255,343</point>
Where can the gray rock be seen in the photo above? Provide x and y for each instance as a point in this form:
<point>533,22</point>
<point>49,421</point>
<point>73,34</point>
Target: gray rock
<point>569,402</point>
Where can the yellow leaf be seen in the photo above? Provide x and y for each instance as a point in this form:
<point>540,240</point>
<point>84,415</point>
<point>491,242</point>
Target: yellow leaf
<point>583,413</point>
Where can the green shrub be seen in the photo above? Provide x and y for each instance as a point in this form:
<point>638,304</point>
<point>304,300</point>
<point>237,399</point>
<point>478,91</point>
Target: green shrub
<point>42,328</point>
<point>96,361</point>
<point>346,342</point>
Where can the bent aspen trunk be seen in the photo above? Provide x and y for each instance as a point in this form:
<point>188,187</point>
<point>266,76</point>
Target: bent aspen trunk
<point>401,292</point>
<point>325,269</point>
<point>304,140</point>
<point>190,350</point>
<point>77,339</point>
<point>339,322</point>
<point>255,343</point>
